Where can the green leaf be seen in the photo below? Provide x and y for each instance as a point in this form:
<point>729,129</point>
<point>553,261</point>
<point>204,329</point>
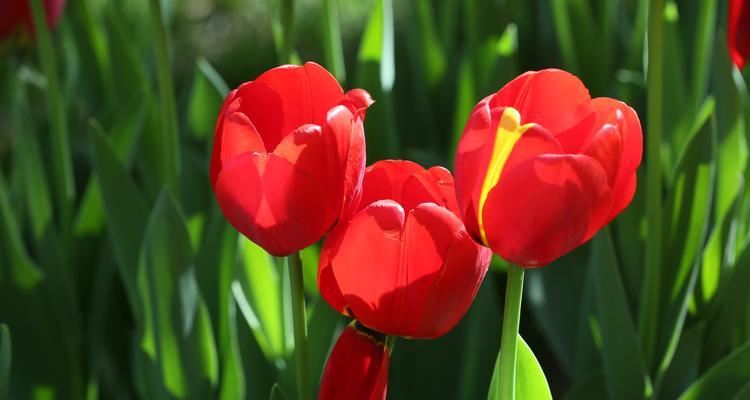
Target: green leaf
<point>432,56</point>
<point>276,393</point>
<point>205,100</point>
<point>322,324</point>
<point>725,379</point>
<point>376,72</point>
<point>731,162</point>
<point>731,305</point>
<point>25,272</point>
<point>624,369</point>
<point>126,211</point>
<point>332,45</point>
<point>592,388</point>
<point>258,293</point>
<point>562,300</point>
<point>530,380</point>
<point>5,359</point>
<point>28,160</point>
<point>685,365</point>
<point>233,375</point>
<point>688,207</point>
<point>176,331</point>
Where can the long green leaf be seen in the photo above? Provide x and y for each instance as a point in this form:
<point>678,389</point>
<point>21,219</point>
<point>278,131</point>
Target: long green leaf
<point>624,370</point>
<point>5,359</point>
<point>177,329</point>
<point>25,272</point>
<point>258,293</point>
<point>126,211</point>
<point>725,379</point>
<point>688,207</point>
<point>376,72</point>
<point>61,156</point>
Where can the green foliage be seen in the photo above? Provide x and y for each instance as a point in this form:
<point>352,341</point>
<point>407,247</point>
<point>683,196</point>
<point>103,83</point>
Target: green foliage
<point>120,278</point>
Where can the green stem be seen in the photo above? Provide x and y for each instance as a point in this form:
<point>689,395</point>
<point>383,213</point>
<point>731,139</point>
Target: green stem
<point>61,159</point>
<point>652,280</point>
<point>166,101</point>
<point>299,321</point>
<point>509,338</point>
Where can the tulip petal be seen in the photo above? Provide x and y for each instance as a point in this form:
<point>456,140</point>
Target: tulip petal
<point>268,200</point>
<point>739,31</point>
<point>357,368</point>
<point>617,113</point>
<point>384,180</point>
<point>440,274</point>
<point>286,97</point>
<point>552,98</point>
<point>546,206</point>
<point>363,253</point>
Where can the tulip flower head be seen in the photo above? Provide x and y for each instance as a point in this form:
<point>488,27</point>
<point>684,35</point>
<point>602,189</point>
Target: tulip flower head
<point>541,166</point>
<point>739,31</point>
<point>289,156</point>
<point>403,265</point>
<point>16,14</point>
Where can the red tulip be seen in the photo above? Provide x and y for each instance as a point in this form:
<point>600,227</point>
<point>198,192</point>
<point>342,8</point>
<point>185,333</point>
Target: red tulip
<point>17,13</point>
<point>357,367</point>
<point>739,31</point>
<point>541,166</point>
<point>289,156</point>
<point>402,265</point>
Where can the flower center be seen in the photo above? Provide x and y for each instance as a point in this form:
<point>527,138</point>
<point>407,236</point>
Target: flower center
<point>509,130</point>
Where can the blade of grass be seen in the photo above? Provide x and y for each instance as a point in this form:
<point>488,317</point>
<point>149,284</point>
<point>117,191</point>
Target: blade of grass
<point>332,46</point>
<point>60,146</point>
<point>166,99</point>
<point>649,315</point>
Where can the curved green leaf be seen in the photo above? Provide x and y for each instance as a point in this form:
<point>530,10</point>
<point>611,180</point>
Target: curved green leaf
<point>530,380</point>
<point>624,369</point>
<point>725,379</point>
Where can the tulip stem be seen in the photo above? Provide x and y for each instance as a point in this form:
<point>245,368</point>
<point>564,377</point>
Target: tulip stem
<point>299,322</point>
<point>509,340</point>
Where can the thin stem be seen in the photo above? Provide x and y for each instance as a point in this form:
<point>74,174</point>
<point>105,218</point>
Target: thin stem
<point>166,100</point>
<point>652,280</point>
<point>61,159</point>
<point>509,338</point>
<point>299,321</point>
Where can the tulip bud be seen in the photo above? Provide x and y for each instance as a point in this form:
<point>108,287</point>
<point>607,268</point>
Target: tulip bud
<point>357,367</point>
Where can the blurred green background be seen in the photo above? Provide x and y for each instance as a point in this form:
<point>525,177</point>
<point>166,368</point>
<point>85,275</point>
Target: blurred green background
<point>119,277</point>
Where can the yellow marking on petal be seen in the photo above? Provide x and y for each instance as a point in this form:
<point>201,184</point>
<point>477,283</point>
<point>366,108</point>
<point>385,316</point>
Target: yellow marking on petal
<point>509,130</point>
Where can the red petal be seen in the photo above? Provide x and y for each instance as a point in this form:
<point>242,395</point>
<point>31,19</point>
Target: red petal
<point>552,98</point>
<point>440,272</point>
<point>473,157</point>
<point>345,143</point>
<point>739,31</point>
<point>610,111</point>
<point>358,100</point>
<point>471,160</point>
<point>356,369</point>
<point>363,254</point>
<point>217,145</point>
<point>265,198</point>
<point>286,97</point>
<point>545,207</point>
<point>384,180</point>
<point>606,147</point>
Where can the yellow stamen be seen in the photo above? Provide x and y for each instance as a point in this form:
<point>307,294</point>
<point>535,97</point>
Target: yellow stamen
<point>509,130</point>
